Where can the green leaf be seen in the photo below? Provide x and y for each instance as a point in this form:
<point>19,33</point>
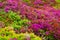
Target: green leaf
<point>58,1</point>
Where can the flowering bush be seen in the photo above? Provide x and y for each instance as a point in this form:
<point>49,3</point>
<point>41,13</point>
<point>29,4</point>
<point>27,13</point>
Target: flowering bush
<point>29,19</point>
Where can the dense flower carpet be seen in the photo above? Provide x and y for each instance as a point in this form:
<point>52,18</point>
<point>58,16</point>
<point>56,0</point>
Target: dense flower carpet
<point>29,19</point>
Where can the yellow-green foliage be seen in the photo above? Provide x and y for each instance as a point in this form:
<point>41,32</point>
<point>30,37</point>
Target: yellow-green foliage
<point>13,19</point>
<point>8,32</point>
<point>58,1</point>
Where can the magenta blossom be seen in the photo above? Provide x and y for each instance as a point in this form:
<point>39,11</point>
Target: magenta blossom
<point>1,4</point>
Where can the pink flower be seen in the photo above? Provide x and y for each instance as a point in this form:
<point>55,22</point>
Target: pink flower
<point>47,33</point>
<point>15,38</point>
<point>1,4</point>
<point>7,9</point>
